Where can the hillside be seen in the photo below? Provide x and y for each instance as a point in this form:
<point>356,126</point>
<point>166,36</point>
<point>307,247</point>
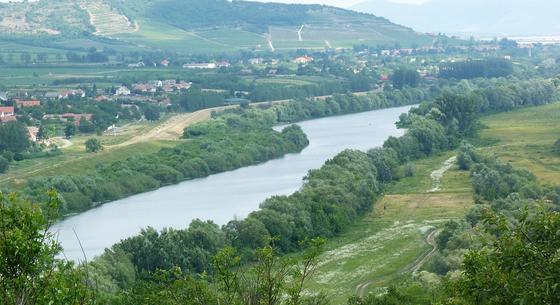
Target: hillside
<point>473,17</point>
<point>202,25</point>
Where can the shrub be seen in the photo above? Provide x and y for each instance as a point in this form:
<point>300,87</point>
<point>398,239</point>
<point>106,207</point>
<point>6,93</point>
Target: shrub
<point>4,165</point>
<point>93,146</point>
<point>409,169</point>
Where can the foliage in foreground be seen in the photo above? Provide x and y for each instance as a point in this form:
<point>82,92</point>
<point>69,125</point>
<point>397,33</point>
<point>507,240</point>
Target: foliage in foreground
<point>30,273</point>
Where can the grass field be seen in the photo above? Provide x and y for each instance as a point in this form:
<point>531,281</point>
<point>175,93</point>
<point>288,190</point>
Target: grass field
<point>381,248</point>
<point>75,160</point>
<point>525,138</point>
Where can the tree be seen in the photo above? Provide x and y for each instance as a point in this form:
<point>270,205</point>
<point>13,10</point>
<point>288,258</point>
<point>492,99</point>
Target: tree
<point>29,269</point>
<point>557,147</point>
<point>151,113</point>
<point>42,57</point>
<point>70,130</point>
<point>46,132</point>
<point>272,280</point>
<point>25,57</point>
<point>405,77</point>
<point>4,165</point>
<point>86,126</point>
<point>518,263</point>
<point>14,137</point>
<point>466,156</point>
<point>93,146</point>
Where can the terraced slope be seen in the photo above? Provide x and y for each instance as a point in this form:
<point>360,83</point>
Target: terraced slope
<point>192,26</point>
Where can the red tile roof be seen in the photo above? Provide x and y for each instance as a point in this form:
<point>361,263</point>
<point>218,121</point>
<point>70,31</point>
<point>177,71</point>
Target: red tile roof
<point>8,109</point>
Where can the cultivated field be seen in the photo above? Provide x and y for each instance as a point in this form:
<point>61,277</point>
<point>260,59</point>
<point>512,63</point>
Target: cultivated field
<point>106,20</point>
<point>525,138</point>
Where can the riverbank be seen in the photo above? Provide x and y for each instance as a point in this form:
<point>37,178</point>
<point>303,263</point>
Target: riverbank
<point>228,195</point>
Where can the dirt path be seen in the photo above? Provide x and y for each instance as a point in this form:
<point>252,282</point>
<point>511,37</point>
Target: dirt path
<point>437,175</point>
<point>63,143</point>
<point>430,239</point>
<point>361,290</point>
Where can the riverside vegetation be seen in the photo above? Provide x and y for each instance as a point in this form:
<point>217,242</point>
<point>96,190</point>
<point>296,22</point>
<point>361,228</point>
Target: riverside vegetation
<point>187,266</point>
<point>229,141</point>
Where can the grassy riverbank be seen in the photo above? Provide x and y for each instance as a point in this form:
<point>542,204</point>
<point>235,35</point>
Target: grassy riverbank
<point>380,249</point>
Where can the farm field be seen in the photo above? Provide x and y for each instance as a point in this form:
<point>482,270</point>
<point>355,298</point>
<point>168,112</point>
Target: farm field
<point>525,138</point>
<point>385,246</point>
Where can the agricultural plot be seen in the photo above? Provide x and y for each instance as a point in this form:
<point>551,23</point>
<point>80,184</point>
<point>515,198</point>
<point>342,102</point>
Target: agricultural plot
<point>525,138</point>
<point>107,21</point>
<point>234,38</point>
<point>166,37</point>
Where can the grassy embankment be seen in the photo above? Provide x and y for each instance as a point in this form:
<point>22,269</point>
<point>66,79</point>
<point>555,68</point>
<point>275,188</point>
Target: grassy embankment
<point>383,246</point>
<point>380,249</point>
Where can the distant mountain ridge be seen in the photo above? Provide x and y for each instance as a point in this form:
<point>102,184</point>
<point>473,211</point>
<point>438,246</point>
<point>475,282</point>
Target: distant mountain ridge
<point>218,24</point>
<point>478,17</point>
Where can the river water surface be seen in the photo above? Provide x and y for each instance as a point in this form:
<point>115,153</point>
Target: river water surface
<point>223,197</point>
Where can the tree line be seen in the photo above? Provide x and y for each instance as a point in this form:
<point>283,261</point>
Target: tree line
<point>474,68</point>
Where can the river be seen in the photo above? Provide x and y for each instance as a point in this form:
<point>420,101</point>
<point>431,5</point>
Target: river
<point>223,197</point>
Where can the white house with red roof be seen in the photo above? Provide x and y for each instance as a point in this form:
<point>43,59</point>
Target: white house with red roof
<point>7,114</point>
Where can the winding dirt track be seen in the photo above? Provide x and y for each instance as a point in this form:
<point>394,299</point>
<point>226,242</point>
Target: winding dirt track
<point>361,289</point>
<point>172,129</point>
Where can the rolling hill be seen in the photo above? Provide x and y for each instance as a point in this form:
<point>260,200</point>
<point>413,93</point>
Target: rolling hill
<point>473,17</point>
<point>201,25</point>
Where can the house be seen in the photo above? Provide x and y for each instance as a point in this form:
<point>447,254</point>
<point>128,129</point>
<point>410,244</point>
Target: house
<point>165,62</point>
<point>384,77</point>
<point>122,91</point>
<point>71,93</point>
<point>183,85</point>
<point>137,65</point>
<point>52,95</point>
<point>256,61</point>
<point>27,103</point>
<point>304,60</point>
<point>33,131</point>
<point>144,88</point>
<point>385,52</point>
<point>101,98</point>
<point>223,64</point>
<point>7,114</point>
<point>200,66</point>
<point>3,96</point>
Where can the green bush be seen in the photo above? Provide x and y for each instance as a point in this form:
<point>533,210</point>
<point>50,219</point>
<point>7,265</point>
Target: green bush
<point>4,165</point>
<point>93,146</point>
